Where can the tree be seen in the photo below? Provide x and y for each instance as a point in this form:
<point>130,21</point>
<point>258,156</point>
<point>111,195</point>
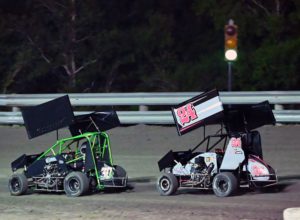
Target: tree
<point>146,45</point>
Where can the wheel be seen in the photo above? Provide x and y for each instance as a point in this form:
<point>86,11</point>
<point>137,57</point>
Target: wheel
<point>224,184</point>
<point>18,184</point>
<point>76,184</point>
<point>167,184</point>
<point>121,173</point>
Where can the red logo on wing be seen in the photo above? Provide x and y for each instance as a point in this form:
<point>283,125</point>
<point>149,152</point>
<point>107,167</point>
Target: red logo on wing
<point>186,113</point>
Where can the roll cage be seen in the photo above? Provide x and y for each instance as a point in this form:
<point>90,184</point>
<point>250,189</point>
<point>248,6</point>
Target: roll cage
<point>96,154</point>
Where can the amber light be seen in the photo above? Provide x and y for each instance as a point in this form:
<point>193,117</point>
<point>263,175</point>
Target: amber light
<point>231,43</point>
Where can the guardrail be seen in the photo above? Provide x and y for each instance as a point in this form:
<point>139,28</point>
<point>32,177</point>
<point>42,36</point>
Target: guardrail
<point>164,98</point>
<point>150,99</point>
<point>151,117</point>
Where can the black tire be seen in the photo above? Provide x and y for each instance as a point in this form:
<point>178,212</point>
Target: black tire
<point>225,184</point>
<point>18,184</point>
<point>167,184</point>
<point>76,184</point>
<point>121,173</point>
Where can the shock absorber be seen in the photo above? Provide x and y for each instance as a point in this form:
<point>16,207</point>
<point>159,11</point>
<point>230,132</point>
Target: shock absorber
<point>210,168</point>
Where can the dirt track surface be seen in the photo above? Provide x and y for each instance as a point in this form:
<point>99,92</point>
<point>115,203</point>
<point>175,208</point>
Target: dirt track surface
<point>137,149</point>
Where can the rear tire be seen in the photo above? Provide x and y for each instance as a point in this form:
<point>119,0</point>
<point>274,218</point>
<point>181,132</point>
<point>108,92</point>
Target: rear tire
<point>18,184</point>
<point>225,184</point>
<point>167,184</point>
<point>76,184</point>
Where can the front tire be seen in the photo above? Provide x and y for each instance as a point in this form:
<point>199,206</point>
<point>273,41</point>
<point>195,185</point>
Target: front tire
<point>225,184</point>
<point>76,184</point>
<point>18,184</point>
<point>167,184</point>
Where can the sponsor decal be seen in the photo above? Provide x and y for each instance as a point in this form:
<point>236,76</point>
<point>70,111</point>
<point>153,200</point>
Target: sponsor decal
<point>258,170</point>
<point>236,145</point>
<point>106,172</point>
<point>186,114</point>
<point>207,159</point>
<point>236,142</point>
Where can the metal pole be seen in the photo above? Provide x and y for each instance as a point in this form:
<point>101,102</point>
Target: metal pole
<point>229,76</point>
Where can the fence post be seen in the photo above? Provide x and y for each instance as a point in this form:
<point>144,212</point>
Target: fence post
<point>15,109</point>
<point>278,107</point>
<point>143,108</point>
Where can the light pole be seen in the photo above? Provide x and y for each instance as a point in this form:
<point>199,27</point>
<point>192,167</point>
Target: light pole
<point>229,82</point>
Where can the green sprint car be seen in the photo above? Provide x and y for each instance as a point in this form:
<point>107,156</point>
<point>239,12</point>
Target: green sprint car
<point>76,165</point>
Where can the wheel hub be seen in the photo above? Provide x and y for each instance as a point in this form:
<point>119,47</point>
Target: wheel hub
<point>15,185</point>
<point>165,184</point>
<point>223,185</point>
<point>74,185</point>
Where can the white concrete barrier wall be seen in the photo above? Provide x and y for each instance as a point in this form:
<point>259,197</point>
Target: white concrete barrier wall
<point>291,213</point>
